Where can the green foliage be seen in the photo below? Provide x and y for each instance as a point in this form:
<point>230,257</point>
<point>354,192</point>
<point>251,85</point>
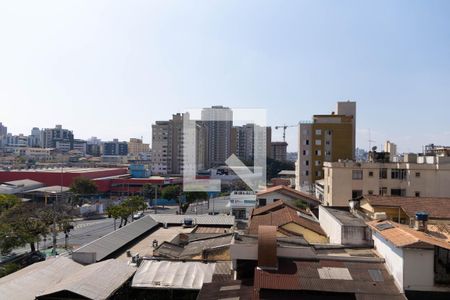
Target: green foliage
<point>193,196</point>
<point>8,268</point>
<point>25,223</point>
<point>83,186</point>
<point>171,192</point>
<point>148,191</point>
<point>275,166</point>
<point>125,209</point>
<point>300,204</point>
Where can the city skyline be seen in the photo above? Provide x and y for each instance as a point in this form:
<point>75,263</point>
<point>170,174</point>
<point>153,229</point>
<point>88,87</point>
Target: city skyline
<point>133,66</point>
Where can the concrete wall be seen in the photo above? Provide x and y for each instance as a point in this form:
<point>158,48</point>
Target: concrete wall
<point>393,257</point>
<point>330,225</point>
<point>418,269</point>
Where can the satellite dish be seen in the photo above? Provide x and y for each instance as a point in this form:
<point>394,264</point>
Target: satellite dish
<point>374,148</point>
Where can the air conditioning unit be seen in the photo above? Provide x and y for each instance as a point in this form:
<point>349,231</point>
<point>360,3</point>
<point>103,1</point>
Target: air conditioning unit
<point>380,216</point>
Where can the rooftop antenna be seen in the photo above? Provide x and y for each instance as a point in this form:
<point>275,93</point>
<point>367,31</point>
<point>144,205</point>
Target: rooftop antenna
<point>370,140</point>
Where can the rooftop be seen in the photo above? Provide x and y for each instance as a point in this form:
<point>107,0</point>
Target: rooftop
<point>189,275</point>
<point>65,170</point>
<point>345,217</point>
<point>96,281</point>
<point>290,192</point>
<point>197,219</point>
<point>437,208</point>
<point>405,237</point>
<point>282,214</point>
<point>110,243</point>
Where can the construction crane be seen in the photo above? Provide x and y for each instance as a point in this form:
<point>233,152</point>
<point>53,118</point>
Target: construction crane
<point>284,130</point>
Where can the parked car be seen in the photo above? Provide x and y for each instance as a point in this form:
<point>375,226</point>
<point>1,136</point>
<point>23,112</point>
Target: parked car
<point>138,215</point>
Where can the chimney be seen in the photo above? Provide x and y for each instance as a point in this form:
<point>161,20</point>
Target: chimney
<point>267,248</point>
<point>421,222</point>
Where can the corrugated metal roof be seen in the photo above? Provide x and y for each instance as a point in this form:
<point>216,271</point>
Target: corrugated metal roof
<point>96,281</point>
<point>173,275</point>
<point>115,240</point>
<point>33,280</point>
<point>198,219</point>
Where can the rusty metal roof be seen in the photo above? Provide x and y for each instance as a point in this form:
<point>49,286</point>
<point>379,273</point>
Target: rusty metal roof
<point>267,247</point>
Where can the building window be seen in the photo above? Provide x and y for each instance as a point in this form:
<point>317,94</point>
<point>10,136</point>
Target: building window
<point>356,194</point>
<point>370,173</point>
<point>398,192</point>
<point>318,132</point>
<point>306,173</point>
<point>306,142</point>
<point>383,191</point>
<point>304,152</point>
<point>398,174</point>
<point>327,142</point>
<point>318,142</point>
<point>318,173</point>
<point>329,132</point>
<point>318,152</point>
<point>370,192</point>
<point>262,202</point>
<point>318,162</point>
<point>417,194</point>
<point>306,162</point>
<point>357,175</point>
<point>417,174</point>
<point>383,173</point>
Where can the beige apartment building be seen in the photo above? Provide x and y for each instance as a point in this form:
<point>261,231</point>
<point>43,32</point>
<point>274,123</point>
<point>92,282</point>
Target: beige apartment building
<point>412,176</point>
<point>136,146</point>
<point>326,138</point>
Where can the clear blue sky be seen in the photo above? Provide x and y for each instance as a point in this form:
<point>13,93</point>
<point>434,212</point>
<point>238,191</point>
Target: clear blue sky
<point>111,68</point>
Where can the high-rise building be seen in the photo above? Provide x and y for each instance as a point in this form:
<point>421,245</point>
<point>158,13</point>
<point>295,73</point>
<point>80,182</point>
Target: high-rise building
<point>390,148</point>
<point>327,138</point>
<point>243,140</point>
<point>34,139</point>
<point>218,121</point>
<point>136,146</point>
<point>3,135</point>
<point>115,148</point>
<point>168,145</point>
<point>50,136</point>
<point>279,151</point>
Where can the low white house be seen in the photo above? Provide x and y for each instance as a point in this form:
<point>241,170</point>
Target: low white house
<point>419,261</point>
<point>238,203</point>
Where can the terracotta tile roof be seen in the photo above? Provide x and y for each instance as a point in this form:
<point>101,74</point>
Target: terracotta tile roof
<point>282,217</point>
<point>438,208</point>
<point>274,206</point>
<point>290,192</point>
<point>403,236</point>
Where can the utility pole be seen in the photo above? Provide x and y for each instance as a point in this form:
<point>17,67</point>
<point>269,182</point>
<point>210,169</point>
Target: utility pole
<point>156,199</point>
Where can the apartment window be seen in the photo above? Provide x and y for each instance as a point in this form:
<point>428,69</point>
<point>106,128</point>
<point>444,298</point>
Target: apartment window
<point>417,174</point>
<point>357,175</point>
<point>370,173</point>
<point>318,132</point>
<point>383,173</point>
<point>318,152</point>
<point>417,194</point>
<point>356,194</point>
<point>318,173</point>
<point>306,162</point>
<point>370,192</point>
<point>318,142</point>
<point>304,152</point>
<point>327,142</point>
<point>318,162</point>
<point>383,191</point>
<point>398,192</point>
<point>329,132</point>
<point>306,142</point>
<point>398,174</point>
<point>306,173</point>
<point>328,189</point>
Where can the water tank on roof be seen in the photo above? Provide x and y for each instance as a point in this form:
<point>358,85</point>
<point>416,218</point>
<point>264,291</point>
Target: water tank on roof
<point>421,216</point>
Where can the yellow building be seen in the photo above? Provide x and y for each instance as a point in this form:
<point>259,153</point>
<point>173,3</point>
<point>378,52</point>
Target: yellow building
<point>326,138</point>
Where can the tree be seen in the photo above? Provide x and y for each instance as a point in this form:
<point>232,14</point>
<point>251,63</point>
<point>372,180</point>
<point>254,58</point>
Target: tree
<point>194,196</point>
<point>149,191</point>
<point>82,186</point>
<point>171,192</point>
<point>135,203</point>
